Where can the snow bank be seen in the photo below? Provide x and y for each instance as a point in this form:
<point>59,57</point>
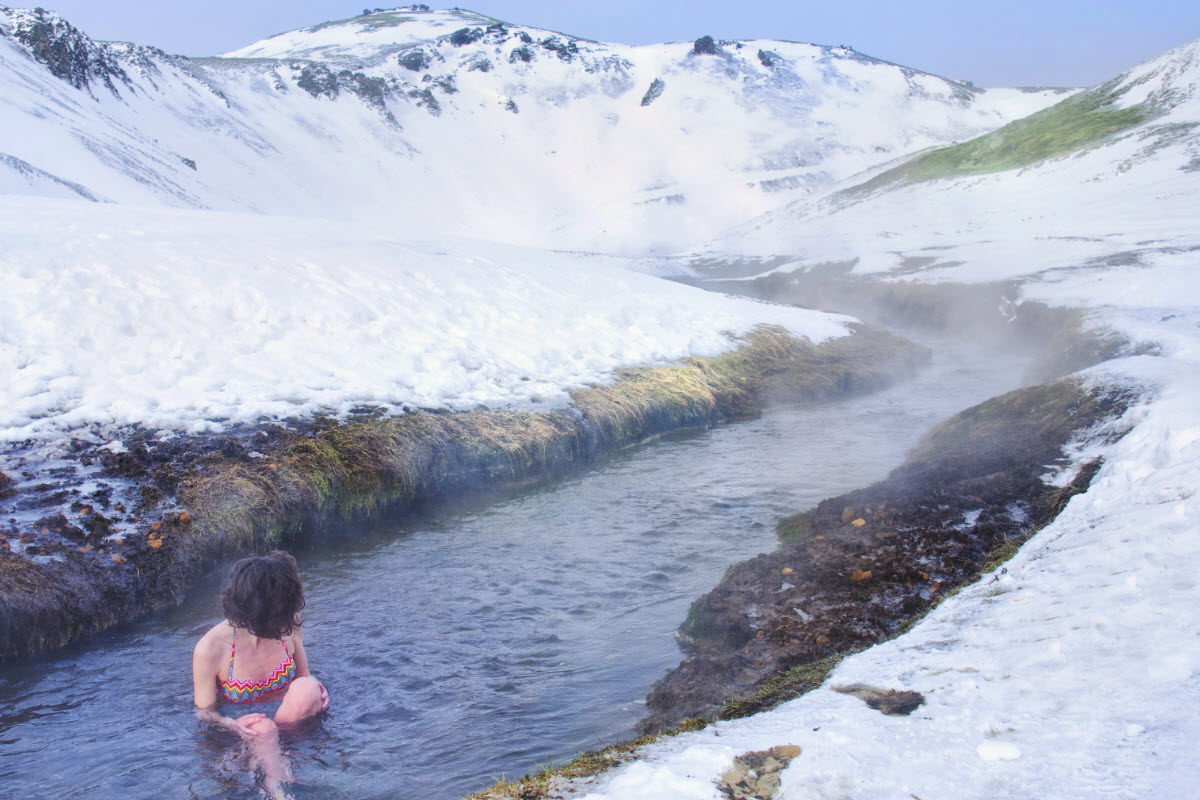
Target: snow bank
<point>115,315</point>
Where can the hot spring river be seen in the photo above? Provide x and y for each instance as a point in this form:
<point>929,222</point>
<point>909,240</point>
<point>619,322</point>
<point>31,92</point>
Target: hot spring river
<point>490,636</point>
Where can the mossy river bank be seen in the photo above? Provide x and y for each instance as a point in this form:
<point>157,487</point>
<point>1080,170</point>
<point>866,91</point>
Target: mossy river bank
<point>485,636</point>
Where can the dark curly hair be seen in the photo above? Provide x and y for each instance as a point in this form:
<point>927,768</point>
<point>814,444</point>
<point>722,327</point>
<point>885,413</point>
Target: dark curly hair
<point>264,595</point>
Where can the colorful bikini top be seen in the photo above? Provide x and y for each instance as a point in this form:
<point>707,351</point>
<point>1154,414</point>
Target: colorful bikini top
<point>249,691</point>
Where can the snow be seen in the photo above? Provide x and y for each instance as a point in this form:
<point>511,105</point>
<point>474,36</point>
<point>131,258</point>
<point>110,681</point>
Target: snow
<point>1134,197</point>
<point>364,37</point>
<point>115,315</point>
<point>582,165</point>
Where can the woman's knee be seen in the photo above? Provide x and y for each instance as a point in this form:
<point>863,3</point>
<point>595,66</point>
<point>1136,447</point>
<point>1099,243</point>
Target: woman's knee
<point>303,699</point>
<point>308,691</point>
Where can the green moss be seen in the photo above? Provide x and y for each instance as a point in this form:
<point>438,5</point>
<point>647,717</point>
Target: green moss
<point>1071,125</point>
<point>542,783</point>
<point>794,529</point>
<point>783,687</point>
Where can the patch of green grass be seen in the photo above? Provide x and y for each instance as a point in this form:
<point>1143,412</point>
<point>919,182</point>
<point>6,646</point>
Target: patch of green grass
<point>785,686</point>
<point>1071,125</point>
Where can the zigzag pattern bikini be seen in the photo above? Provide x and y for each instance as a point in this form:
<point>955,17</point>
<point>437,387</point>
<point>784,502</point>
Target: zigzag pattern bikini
<point>249,691</point>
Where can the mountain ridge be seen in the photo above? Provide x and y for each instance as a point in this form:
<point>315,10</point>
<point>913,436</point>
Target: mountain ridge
<point>498,132</point>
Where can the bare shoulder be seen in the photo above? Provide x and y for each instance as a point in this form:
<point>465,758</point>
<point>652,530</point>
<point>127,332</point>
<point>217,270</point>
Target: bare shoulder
<point>294,639</point>
<point>215,643</point>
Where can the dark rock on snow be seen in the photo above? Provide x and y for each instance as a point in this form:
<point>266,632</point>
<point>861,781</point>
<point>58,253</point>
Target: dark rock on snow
<point>414,60</point>
<point>705,46</point>
<point>68,53</point>
<point>892,702</point>
<point>465,36</point>
<point>654,92</point>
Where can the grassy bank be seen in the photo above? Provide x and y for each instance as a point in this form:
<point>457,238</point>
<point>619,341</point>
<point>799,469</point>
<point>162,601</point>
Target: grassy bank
<point>296,484</point>
<point>1069,126</point>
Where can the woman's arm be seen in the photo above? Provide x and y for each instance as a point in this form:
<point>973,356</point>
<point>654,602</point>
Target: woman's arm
<point>298,654</point>
<point>301,659</point>
<point>205,659</point>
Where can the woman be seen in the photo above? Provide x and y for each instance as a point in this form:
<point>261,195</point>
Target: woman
<point>256,656</point>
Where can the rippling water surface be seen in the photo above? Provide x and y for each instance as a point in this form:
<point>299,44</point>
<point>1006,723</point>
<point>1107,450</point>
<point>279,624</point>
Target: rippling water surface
<point>487,637</point>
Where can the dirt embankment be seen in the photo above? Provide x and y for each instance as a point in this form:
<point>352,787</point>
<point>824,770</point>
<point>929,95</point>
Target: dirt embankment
<point>176,509</point>
<point>855,569</point>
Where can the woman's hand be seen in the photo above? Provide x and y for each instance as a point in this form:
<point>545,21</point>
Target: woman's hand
<point>324,698</point>
<point>250,727</point>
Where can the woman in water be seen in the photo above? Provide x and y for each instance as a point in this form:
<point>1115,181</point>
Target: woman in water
<point>257,655</point>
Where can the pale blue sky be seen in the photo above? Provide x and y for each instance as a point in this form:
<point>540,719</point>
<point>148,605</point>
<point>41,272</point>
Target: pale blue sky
<point>1017,43</point>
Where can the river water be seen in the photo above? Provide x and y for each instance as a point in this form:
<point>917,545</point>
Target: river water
<point>485,637</point>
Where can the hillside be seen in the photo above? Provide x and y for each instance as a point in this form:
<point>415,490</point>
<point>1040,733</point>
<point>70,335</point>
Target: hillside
<point>449,122</point>
<point>1107,177</point>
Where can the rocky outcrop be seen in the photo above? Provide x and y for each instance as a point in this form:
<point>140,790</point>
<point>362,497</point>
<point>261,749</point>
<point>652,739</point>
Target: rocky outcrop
<point>425,99</point>
<point>705,46</point>
<point>320,81</point>
<point>654,92</point>
<point>69,54</point>
<point>565,51</point>
<point>414,60</point>
<point>466,36</point>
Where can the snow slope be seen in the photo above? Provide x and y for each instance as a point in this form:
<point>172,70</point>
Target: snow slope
<point>190,320</point>
<point>1124,199</point>
<point>1073,671</point>
<point>367,37</point>
<point>450,122</point>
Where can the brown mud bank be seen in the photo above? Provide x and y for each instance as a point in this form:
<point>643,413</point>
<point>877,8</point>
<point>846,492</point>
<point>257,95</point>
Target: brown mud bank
<point>857,568</point>
<point>96,559</point>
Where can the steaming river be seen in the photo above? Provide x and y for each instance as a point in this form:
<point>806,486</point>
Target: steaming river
<point>486,638</point>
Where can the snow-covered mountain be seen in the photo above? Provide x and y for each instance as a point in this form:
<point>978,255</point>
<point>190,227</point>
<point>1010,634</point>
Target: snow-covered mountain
<point>452,122</point>
<point>1110,176</point>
